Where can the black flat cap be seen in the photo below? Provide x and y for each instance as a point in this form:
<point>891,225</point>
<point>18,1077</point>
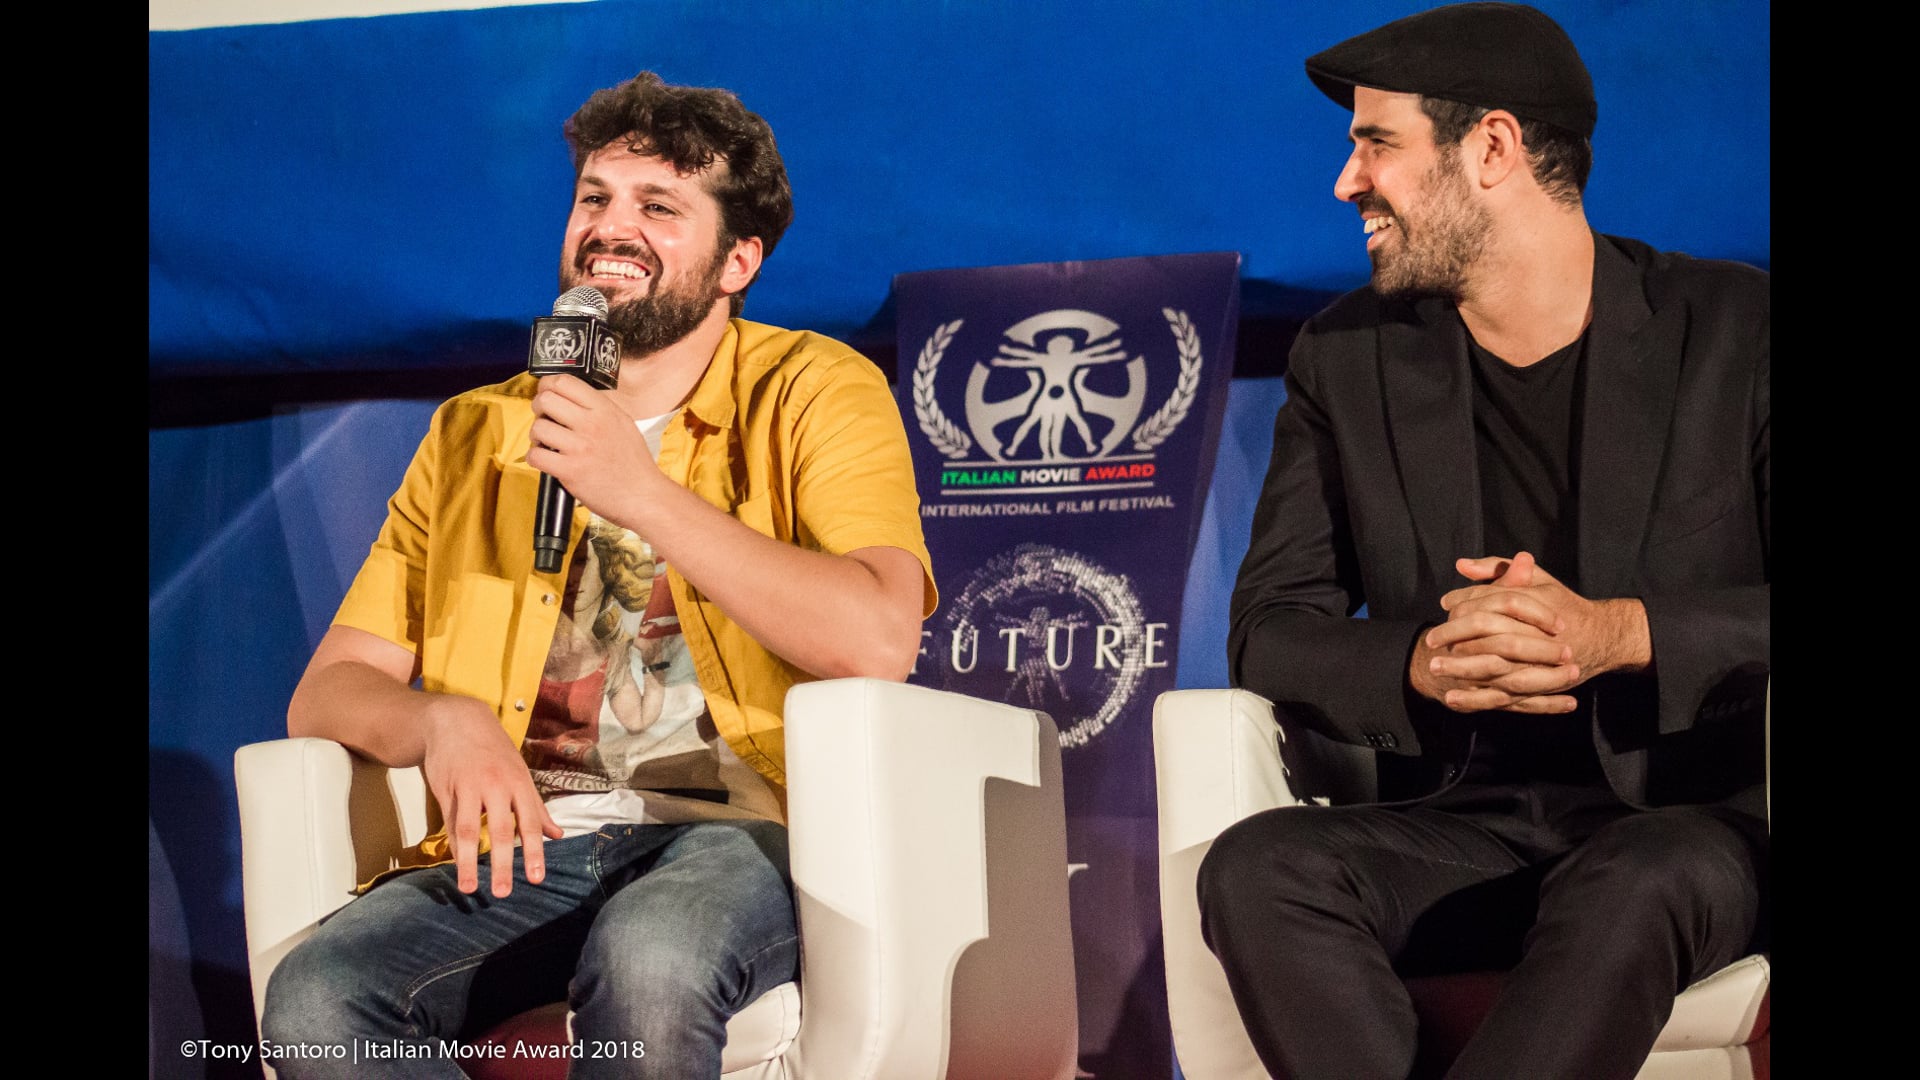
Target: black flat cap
<point>1497,56</point>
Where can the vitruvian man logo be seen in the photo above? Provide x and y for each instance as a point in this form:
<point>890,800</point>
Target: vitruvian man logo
<point>1082,394</point>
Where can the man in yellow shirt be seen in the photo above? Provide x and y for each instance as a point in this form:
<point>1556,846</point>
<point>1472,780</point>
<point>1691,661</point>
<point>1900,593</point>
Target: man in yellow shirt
<point>747,520</point>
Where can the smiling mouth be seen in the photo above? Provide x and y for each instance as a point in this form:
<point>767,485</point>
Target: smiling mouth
<point>1377,224</point>
<point>617,268</point>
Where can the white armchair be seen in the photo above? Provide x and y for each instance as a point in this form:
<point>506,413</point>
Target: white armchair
<point>1219,756</point>
<point>928,845</point>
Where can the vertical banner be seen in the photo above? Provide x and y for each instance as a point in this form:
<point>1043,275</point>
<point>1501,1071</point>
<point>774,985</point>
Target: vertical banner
<point>1064,419</point>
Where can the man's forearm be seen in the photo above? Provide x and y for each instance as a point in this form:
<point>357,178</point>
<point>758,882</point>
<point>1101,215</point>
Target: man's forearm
<point>1625,644</point>
<point>356,692</point>
<point>829,615</point>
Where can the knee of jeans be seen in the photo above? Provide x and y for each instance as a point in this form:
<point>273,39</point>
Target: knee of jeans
<point>308,997</point>
<point>660,955</point>
<point>616,986</point>
<point>655,953</point>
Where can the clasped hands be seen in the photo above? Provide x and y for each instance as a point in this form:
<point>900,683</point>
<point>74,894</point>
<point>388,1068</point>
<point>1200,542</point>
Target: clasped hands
<point>1520,641</point>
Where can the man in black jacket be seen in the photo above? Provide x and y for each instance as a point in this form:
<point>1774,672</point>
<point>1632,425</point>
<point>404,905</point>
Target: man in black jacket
<point>1538,457</point>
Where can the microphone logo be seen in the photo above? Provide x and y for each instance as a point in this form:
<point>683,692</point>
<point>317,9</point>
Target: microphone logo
<point>559,344</point>
<point>606,360</point>
<point>576,340</point>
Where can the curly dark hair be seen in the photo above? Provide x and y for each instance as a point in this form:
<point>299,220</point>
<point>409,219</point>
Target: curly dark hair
<point>692,128</point>
<point>1560,159</point>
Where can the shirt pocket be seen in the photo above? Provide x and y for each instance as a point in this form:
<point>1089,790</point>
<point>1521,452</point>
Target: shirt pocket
<point>467,652</point>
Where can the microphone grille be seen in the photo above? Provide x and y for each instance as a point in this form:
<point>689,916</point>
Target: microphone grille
<point>585,300</point>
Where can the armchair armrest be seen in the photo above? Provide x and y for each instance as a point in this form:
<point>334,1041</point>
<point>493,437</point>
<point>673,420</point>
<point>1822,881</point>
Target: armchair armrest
<point>928,842</point>
<point>1216,760</point>
<point>315,821</point>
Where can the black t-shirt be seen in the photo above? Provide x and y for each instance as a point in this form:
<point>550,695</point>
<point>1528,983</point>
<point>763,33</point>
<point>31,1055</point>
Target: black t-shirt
<point>1526,435</point>
<point>1524,421</point>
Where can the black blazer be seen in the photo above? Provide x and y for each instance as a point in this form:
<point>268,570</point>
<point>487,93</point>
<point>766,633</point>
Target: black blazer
<point>1373,492</point>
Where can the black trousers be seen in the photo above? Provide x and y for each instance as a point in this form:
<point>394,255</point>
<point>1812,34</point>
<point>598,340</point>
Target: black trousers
<point>1603,913</point>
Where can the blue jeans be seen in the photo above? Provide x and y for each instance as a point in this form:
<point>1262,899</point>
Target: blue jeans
<point>653,934</point>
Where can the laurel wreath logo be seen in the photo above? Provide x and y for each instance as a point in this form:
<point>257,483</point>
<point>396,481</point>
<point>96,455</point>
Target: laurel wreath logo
<point>946,438</point>
<point>1155,429</point>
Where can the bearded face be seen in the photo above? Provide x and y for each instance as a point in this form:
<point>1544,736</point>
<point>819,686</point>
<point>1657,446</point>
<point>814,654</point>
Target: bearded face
<point>1438,236</point>
<point>653,240</point>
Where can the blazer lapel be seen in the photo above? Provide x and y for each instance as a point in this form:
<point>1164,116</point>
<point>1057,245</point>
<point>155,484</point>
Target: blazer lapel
<point>1429,400</point>
<point>1630,382</point>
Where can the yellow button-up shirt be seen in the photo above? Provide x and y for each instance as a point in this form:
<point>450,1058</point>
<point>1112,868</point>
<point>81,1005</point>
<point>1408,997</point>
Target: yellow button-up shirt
<point>794,434</point>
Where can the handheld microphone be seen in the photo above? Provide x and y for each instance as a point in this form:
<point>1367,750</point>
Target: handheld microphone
<point>574,340</point>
